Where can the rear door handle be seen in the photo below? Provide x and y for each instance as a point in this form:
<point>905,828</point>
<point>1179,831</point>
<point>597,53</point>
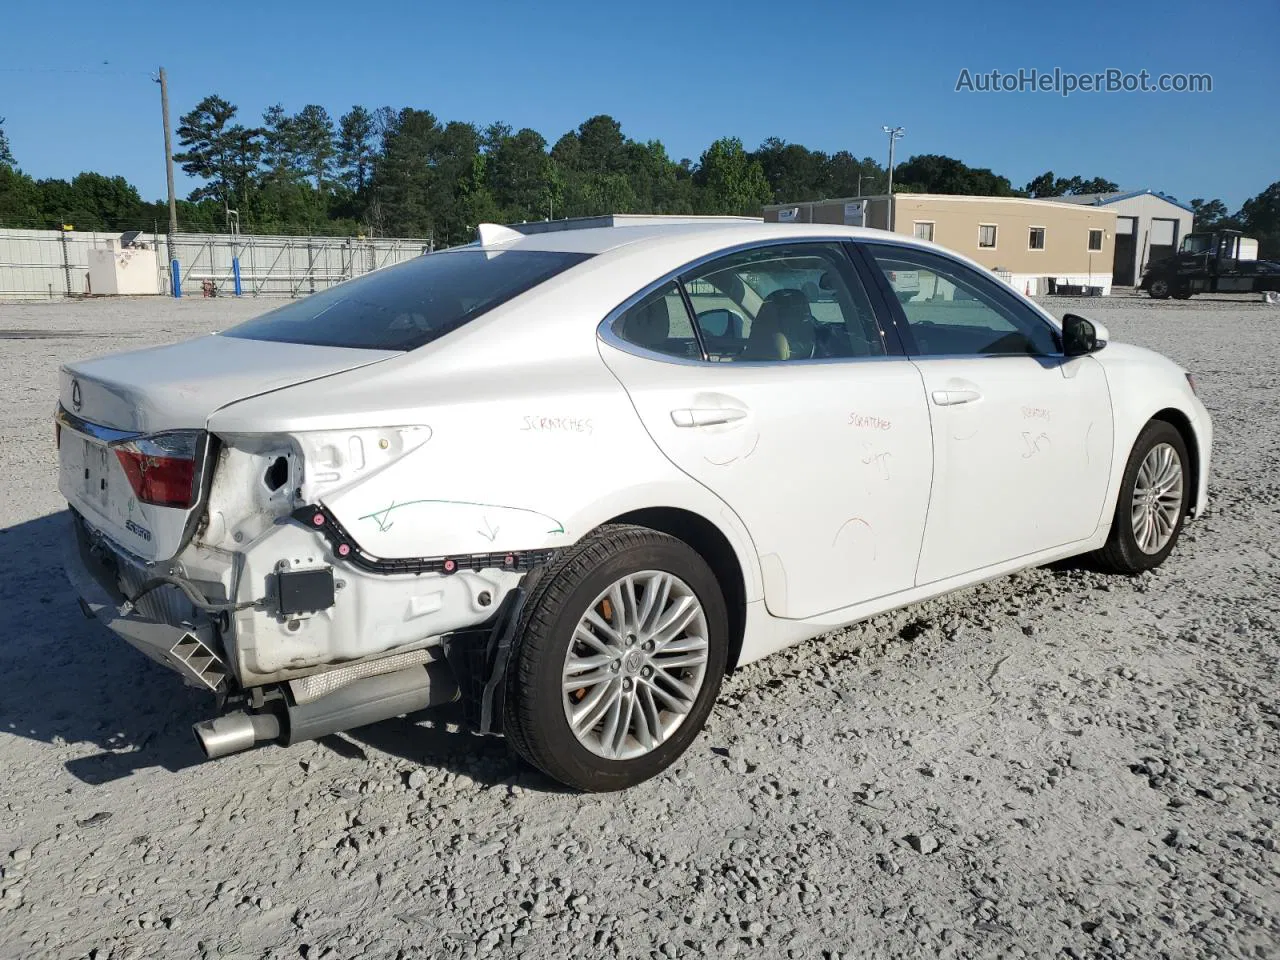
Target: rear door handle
<point>706,416</point>
<point>949,398</point>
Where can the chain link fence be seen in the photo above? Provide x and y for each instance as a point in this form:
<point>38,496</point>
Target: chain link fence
<point>40,264</point>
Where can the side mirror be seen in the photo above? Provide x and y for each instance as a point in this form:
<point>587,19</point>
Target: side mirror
<point>1081,336</point>
<point>718,323</point>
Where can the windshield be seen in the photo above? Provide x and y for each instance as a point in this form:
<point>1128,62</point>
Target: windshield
<point>410,304</point>
<point>1197,242</point>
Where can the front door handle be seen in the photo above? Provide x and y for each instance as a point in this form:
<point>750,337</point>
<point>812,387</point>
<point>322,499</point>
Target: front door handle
<point>949,398</point>
<point>706,416</point>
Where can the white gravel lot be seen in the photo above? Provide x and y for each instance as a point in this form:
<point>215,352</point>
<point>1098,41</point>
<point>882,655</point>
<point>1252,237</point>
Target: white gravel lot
<point>1056,764</point>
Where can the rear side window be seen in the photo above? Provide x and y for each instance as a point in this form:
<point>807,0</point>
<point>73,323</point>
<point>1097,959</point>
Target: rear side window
<point>660,323</point>
<point>411,304</point>
<point>791,302</point>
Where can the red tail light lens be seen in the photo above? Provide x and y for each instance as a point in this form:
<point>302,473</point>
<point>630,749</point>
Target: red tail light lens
<point>162,468</point>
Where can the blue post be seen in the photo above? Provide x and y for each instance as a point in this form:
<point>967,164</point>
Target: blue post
<point>175,277</point>
<point>235,273</point>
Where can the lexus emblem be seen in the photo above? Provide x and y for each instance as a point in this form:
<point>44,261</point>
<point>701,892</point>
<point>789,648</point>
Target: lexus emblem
<point>75,395</point>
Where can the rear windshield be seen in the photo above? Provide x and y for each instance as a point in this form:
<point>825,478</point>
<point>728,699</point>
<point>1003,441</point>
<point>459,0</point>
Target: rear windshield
<point>410,304</point>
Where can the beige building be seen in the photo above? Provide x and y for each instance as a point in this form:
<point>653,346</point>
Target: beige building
<point>1033,245</point>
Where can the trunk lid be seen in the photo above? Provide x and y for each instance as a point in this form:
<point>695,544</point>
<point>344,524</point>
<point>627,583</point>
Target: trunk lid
<point>163,390</point>
<point>177,387</point>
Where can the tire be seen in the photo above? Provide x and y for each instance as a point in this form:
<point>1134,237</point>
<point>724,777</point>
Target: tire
<point>537,704</point>
<point>1159,289</point>
<point>1123,553</point>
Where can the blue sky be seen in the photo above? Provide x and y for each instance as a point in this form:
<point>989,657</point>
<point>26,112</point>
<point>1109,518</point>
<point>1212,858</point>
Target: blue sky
<point>825,74</point>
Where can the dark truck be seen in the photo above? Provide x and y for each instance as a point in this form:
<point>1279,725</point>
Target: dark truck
<point>1219,262</point>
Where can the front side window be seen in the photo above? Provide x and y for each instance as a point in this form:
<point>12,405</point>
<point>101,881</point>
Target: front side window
<point>786,302</point>
<point>987,236</point>
<point>1035,238</point>
<point>1197,243</point>
<point>954,310</point>
<point>1095,240</point>
<point>410,304</point>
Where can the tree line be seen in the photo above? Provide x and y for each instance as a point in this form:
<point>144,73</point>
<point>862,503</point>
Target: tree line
<point>404,172</point>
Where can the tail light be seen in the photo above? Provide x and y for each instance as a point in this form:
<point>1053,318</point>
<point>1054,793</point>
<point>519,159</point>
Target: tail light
<point>162,469</point>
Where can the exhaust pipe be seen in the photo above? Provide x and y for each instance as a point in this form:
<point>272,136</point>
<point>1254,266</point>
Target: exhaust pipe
<point>361,702</point>
<point>235,732</point>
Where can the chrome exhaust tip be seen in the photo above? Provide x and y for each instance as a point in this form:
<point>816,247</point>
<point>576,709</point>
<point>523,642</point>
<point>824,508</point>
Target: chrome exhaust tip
<point>234,733</point>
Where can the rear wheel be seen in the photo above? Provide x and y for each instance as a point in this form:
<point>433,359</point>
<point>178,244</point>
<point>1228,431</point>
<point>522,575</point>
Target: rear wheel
<point>1159,289</point>
<point>622,648</point>
<point>1152,502</point>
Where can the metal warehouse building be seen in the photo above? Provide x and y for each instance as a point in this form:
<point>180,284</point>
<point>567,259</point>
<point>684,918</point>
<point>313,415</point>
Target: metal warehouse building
<point>1149,226</point>
<point>1034,245</point>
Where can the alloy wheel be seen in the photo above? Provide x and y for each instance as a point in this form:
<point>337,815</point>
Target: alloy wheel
<point>1157,498</point>
<point>635,665</point>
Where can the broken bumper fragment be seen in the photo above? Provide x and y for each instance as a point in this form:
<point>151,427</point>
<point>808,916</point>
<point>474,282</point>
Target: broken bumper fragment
<point>188,648</point>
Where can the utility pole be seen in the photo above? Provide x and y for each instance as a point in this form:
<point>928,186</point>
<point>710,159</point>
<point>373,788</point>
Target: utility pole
<point>163,80</point>
<point>895,134</point>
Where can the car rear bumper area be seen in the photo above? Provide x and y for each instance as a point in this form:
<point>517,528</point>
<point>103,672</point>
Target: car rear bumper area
<point>168,629</point>
<point>189,649</point>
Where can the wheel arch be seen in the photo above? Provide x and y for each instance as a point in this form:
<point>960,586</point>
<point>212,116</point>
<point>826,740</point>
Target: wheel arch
<point>710,542</point>
<point>1182,423</point>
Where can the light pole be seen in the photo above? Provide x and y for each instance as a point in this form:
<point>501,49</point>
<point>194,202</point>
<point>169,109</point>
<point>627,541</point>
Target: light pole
<point>163,80</point>
<point>895,134</point>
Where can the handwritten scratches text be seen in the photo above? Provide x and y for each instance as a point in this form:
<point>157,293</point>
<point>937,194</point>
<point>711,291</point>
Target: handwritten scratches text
<point>558,424</point>
<point>870,455</point>
<point>864,421</point>
<point>1034,444</point>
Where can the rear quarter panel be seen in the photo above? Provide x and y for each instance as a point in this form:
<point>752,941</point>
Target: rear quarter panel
<point>530,469</point>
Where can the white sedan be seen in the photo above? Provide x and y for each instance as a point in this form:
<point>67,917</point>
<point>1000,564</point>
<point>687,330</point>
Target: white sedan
<point>574,477</point>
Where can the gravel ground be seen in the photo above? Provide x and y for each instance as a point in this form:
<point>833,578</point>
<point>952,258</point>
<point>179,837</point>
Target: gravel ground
<point>1058,763</point>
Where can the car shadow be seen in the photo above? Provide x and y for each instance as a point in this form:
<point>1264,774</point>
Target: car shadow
<point>68,682</point>
<point>436,738</point>
<point>64,680</point>
<point>1082,563</point>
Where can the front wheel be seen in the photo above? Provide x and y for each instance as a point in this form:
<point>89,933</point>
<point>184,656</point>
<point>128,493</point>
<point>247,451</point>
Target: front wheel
<point>620,654</point>
<point>1152,502</point>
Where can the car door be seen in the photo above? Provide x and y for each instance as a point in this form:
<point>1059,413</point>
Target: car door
<point>1022,435</point>
<point>764,375</point>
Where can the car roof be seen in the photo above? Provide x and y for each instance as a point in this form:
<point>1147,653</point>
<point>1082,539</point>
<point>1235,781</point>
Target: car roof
<point>597,240</point>
<point>656,249</point>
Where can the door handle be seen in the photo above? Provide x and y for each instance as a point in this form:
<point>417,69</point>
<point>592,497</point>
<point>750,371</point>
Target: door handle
<point>949,398</point>
<point>706,416</point>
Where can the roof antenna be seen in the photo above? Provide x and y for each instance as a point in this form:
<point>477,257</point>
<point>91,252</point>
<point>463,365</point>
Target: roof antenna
<point>493,234</point>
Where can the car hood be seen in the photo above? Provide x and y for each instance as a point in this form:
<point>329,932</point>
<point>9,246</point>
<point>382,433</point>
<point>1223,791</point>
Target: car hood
<point>179,386</point>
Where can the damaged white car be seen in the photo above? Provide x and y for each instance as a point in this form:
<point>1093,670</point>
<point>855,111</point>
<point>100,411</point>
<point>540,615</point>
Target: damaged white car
<point>573,477</point>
